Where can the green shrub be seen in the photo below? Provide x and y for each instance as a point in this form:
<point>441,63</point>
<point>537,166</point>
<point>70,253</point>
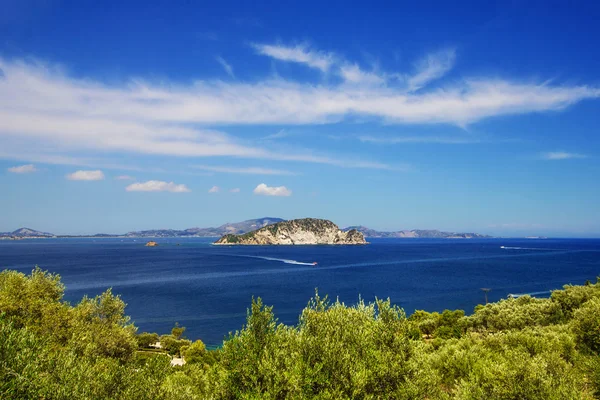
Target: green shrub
<point>572,297</point>
<point>146,339</point>
<point>586,325</point>
<point>521,348</point>
<point>177,331</point>
<point>172,345</point>
<point>516,313</point>
<point>195,352</point>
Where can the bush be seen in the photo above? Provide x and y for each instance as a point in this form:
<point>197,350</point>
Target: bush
<point>35,301</point>
<point>572,297</point>
<point>101,328</point>
<point>515,349</point>
<point>586,325</point>
<point>146,339</point>
<point>177,331</point>
<point>448,324</point>
<point>516,313</point>
<point>172,345</point>
<point>194,353</point>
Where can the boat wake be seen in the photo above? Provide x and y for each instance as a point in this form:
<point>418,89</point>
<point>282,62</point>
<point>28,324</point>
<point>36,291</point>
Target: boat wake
<point>532,294</point>
<point>300,268</point>
<point>526,248</point>
<point>283,260</point>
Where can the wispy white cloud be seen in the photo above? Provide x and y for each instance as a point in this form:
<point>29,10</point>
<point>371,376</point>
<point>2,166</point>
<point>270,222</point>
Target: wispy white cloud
<point>265,190</point>
<point>300,53</point>
<point>214,189</point>
<point>22,153</point>
<point>226,66</point>
<point>352,73</point>
<point>375,165</point>
<point>431,67</point>
<point>154,113</point>
<point>282,133</point>
<point>243,170</point>
<point>23,169</point>
<point>561,155</point>
<point>125,178</point>
<point>85,115</point>
<point>324,61</point>
<point>40,104</point>
<point>157,186</point>
<point>335,137</point>
<point>417,139</point>
<point>81,175</point>
<point>234,190</point>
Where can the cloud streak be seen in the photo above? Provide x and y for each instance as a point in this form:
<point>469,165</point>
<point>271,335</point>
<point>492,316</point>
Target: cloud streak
<point>300,54</point>
<point>431,67</point>
<point>561,155</point>
<point>416,139</point>
<point>352,73</point>
<point>23,169</point>
<point>157,186</point>
<point>41,104</point>
<point>264,190</point>
<point>81,175</point>
<point>243,170</point>
<point>226,66</point>
<point>153,112</point>
<point>282,133</point>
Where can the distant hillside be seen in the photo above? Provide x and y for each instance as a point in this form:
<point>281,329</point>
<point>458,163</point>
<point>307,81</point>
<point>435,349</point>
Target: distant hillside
<point>238,228</point>
<point>25,232</point>
<point>416,233</point>
<point>229,228</point>
<point>305,231</point>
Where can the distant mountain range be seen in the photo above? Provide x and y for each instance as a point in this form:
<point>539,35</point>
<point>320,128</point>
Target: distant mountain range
<point>416,233</point>
<point>242,227</point>
<point>26,233</point>
<point>229,228</point>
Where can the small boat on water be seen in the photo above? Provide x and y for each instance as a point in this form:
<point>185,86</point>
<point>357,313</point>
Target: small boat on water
<point>314,263</point>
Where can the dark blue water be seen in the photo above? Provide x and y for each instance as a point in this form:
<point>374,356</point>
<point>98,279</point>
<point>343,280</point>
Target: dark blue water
<point>208,288</point>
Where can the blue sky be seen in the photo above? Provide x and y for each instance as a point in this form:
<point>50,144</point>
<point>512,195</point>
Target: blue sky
<point>462,117</point>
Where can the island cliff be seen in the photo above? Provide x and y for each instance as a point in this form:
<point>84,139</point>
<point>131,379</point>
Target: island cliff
<point>304,231</point>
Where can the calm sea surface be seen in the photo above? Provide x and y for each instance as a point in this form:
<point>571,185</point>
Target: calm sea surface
<point>208,288</point>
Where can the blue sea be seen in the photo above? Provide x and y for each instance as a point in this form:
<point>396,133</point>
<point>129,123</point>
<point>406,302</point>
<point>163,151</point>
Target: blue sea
<point>208,288</point>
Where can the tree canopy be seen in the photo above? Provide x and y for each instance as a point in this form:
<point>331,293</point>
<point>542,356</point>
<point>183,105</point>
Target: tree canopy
<point>524,348</point>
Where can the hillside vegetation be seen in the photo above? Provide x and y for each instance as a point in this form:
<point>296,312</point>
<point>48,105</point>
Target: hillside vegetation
<point>523,348</point>
<point>304,231</point>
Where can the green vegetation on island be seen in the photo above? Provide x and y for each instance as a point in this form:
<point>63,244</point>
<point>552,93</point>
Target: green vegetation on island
<point>523,348</point>
<point>304,231</point>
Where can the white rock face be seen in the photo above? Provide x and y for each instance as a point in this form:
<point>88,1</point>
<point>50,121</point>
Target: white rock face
<point>307,231</point>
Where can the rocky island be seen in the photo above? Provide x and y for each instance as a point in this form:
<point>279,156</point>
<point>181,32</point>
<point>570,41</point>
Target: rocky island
<point>305,231</point>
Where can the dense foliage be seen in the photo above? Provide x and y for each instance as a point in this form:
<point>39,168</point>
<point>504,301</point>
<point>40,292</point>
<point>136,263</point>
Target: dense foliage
<point>522,348</point>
